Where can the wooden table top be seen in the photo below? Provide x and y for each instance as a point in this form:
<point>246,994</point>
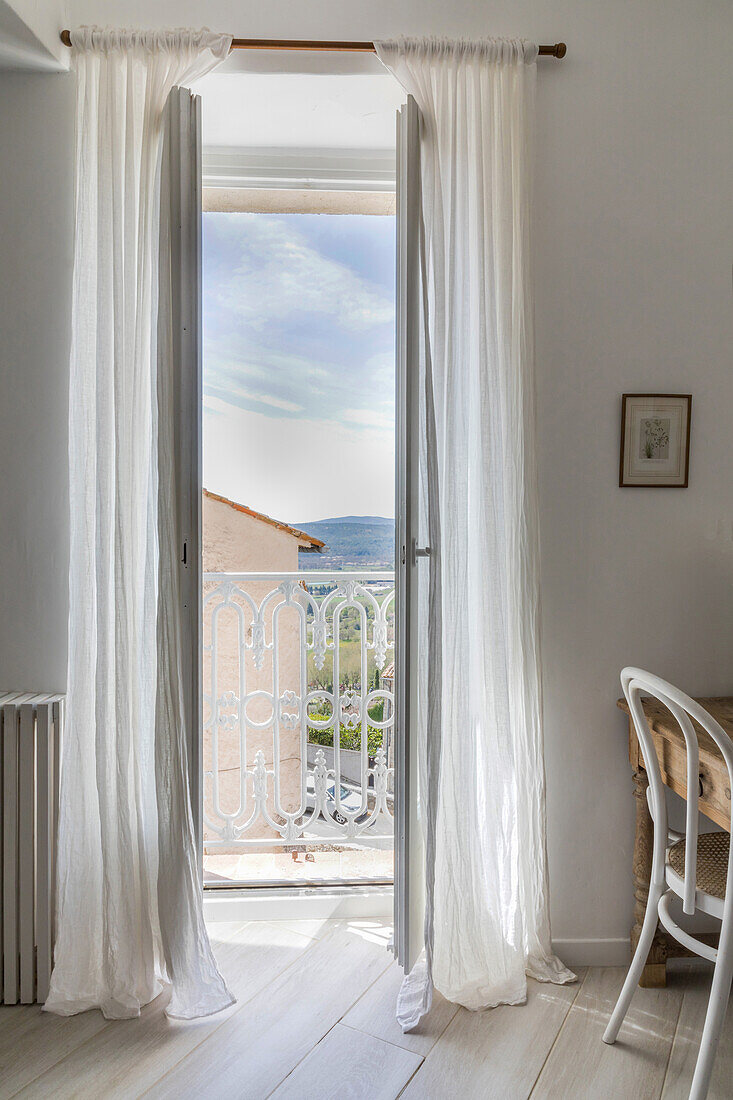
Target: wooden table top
<point>661,721</point>
<point>715,798</point>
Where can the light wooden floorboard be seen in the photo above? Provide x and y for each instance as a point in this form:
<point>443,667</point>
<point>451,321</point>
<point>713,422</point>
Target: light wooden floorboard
<point>128,1056</point>
<point>254,1050</point>
<point>32,1041</point>
<point>350,1063</point>
<point>497,1053</point>
<point>585,1068</point>
<point>374,1013</point>
<point>312,929</point>
<point>315,1019</point>
<point>315,928</point>
<point>693,980</point>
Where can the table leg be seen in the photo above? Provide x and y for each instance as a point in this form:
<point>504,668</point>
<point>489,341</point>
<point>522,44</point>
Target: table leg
<point>654,974</point>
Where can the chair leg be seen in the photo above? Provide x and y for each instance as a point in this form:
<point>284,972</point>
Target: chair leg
<point>714,1018</point>
<point>643,947</point>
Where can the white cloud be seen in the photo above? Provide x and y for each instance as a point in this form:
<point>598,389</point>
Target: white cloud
<point>297,279</point>
<point>374,418</point>
<point>238,392</point>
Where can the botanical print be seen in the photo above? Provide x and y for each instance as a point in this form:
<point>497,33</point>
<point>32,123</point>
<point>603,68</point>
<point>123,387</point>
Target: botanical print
<point>654,437</point>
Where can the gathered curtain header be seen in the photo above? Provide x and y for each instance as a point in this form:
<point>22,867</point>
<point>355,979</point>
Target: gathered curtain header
<point>101,40</point>
<point>498,50</point>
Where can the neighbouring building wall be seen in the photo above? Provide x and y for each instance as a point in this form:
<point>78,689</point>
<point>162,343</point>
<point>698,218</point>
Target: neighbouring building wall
<point>633,231</point>
<point>235,542</point>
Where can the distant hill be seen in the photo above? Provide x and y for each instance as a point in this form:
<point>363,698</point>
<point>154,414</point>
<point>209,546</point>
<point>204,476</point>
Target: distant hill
<point>361,542</point>
<point>378,521</point>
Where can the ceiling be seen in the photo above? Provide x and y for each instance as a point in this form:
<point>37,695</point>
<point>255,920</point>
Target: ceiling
<point>29,43</point>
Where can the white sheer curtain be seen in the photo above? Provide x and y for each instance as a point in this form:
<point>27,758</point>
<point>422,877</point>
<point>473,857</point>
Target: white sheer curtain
<point>126,845</point>
<point>482,773</point>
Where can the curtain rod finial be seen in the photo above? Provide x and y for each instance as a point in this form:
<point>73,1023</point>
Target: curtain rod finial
<point>65,37</point>
<point>560,49</point>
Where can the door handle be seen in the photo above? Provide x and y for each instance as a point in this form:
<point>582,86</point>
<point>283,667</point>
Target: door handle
<point>419,551</point>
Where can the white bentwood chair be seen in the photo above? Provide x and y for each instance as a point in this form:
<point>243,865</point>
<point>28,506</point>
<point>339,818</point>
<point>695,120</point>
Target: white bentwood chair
<point>695,867</point>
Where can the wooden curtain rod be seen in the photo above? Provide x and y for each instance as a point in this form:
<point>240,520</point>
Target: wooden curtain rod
<point>558,50</point>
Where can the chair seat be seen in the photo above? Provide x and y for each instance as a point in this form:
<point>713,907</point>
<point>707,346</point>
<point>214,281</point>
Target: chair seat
<point>712,862</point>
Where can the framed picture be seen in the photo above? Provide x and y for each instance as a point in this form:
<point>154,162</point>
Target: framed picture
<point>655,440</point>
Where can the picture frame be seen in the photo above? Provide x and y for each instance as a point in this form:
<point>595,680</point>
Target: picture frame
<point>655,440</point>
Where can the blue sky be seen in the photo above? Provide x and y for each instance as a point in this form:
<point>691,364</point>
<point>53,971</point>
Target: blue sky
<point>299,363</point>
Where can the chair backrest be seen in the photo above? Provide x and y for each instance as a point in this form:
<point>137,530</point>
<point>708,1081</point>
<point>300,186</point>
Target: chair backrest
<point>637,683</point>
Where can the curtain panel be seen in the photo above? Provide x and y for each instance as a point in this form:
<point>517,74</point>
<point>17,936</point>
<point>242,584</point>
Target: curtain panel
<point>482,787</point>
<point>124,816</point>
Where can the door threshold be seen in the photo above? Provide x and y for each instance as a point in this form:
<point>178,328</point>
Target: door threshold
<point>298,903</point>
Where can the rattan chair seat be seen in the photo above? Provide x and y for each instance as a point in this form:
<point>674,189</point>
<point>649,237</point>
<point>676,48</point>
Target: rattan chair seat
<point>712,862</point>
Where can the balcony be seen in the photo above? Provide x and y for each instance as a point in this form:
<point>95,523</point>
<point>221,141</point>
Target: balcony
<point>298,683</point>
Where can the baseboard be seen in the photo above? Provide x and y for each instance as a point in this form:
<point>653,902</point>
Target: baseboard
<point>305,904</point>
<point>589,952</point>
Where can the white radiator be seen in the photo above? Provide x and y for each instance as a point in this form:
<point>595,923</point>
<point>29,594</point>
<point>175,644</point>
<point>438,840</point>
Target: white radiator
<point>30,737</point>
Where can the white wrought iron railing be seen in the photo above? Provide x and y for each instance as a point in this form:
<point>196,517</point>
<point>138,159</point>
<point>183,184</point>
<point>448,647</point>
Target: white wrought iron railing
<point>298,708</point>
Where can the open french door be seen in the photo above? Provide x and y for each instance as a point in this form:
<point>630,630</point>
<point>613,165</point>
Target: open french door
<point>409,907</point>
<point>181,280</point>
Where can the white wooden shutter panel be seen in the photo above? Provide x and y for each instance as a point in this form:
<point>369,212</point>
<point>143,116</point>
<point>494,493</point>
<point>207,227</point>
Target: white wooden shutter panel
<point>181,209</point>
<point>409,850</point>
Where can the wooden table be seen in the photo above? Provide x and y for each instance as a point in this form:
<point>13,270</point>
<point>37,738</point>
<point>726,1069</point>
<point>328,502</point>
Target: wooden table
<point>714,803</point>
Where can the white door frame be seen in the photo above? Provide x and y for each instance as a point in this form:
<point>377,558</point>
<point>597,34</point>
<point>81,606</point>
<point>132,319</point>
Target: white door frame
<point>362,901</point>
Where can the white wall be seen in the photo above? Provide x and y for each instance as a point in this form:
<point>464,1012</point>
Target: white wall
<point>633,259</point>
<point>36,136</point>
